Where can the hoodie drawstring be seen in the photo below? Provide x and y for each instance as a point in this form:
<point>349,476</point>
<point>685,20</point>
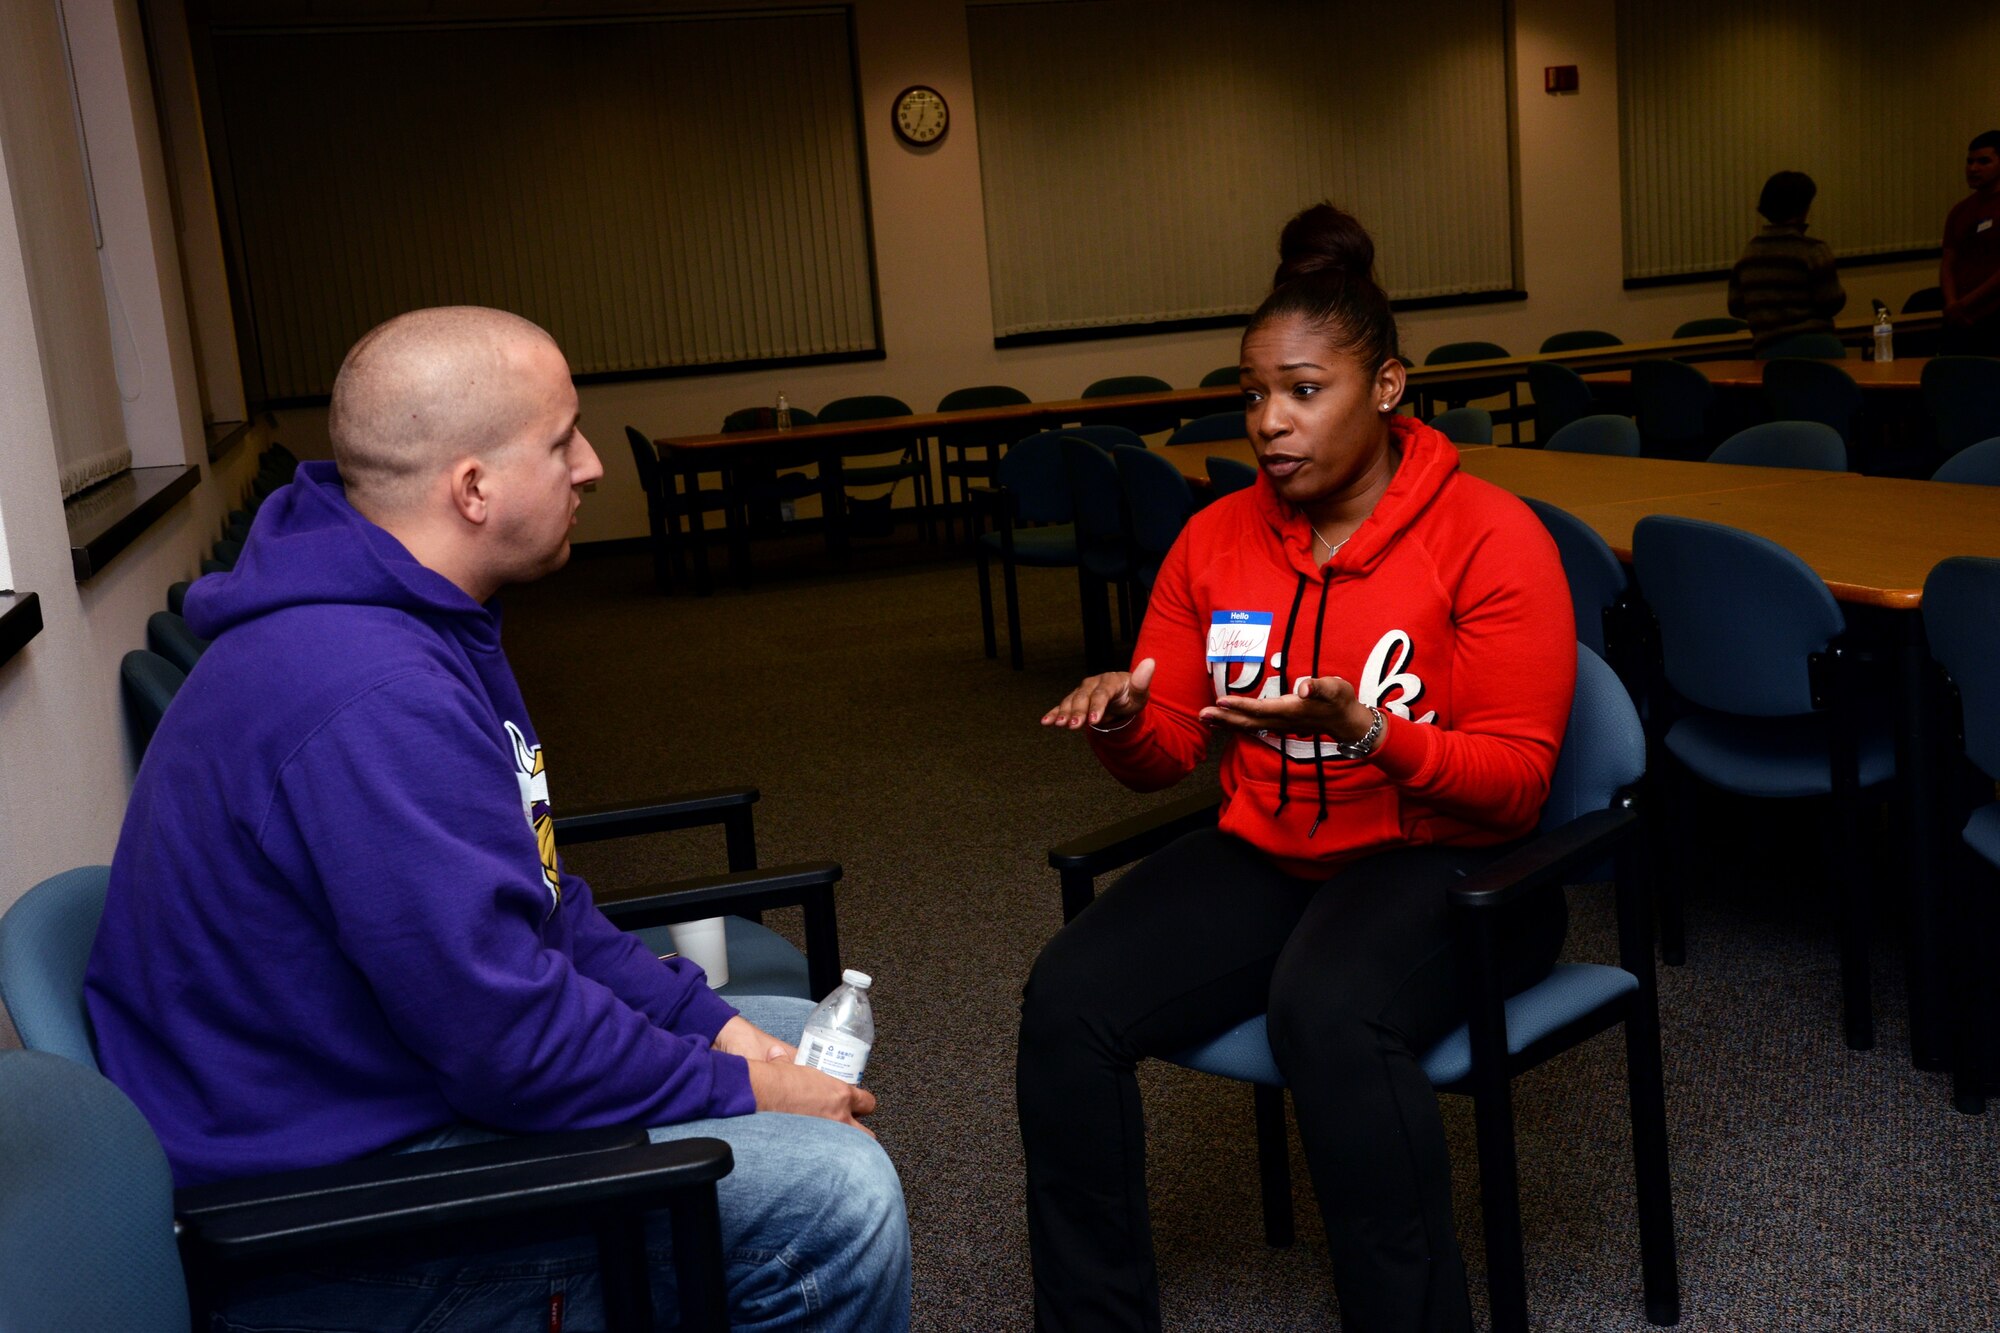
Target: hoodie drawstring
<point>1284,663</point>
<point>1319,751</point>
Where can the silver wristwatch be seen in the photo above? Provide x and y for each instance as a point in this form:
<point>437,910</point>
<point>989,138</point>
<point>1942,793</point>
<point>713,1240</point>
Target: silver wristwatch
<point>1364,747</point>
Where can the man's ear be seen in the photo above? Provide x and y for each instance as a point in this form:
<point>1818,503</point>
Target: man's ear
<point>470,487</point>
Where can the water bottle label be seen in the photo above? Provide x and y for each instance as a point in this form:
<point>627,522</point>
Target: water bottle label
<point>834,1053</point>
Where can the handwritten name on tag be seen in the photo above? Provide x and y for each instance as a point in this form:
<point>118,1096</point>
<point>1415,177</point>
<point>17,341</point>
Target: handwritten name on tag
<point>1238,636</point>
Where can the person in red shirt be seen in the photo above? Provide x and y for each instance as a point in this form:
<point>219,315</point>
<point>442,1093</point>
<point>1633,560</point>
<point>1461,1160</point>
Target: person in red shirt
<point>1970,270</point>
<point>1383,646</point>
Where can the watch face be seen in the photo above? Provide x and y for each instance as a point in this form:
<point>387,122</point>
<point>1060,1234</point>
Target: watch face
<point>920,114</point>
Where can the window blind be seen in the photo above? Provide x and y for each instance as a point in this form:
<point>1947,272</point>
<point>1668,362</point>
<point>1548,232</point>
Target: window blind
<point>1140,156</point>
<point>668,191</point>
<point>1877,108</point>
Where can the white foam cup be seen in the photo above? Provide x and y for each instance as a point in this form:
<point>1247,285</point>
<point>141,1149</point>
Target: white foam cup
<point>705,943</point>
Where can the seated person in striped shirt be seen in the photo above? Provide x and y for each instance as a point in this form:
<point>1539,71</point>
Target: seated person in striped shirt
<point>1785,282</point>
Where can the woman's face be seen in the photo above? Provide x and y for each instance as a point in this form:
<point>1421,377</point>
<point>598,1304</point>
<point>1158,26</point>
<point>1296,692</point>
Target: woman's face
<point>1316,416</point>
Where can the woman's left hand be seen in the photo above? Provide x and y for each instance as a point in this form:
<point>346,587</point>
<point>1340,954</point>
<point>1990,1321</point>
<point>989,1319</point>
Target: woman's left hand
<point>1322,706</point>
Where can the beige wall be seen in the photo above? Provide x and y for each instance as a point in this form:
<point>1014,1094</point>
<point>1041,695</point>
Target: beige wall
<point>930,251</point>
<point>64,767</point>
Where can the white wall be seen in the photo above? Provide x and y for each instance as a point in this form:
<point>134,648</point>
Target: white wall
<point>64,767</point>
<point>930,248</point>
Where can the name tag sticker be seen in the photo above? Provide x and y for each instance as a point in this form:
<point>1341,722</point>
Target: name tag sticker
<point>1983,226</point>
<point>1238,636</point>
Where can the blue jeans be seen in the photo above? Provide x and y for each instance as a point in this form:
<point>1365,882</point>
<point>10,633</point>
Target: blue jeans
<point>812,1224</point>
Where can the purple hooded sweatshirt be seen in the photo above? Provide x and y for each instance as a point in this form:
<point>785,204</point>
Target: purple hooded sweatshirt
<point>336,918</point>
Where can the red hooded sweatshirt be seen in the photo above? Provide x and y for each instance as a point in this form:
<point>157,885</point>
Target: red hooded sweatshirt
<point>1447,609</point>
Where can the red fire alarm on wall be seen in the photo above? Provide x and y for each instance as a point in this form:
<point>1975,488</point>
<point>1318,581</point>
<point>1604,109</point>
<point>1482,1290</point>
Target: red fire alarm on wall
<point>1559,79</point>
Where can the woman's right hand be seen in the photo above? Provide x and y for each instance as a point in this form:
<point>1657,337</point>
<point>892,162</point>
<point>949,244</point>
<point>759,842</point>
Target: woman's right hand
<point>1104,701</point>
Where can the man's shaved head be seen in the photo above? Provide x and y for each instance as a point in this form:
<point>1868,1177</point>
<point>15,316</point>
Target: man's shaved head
<point>423,390</point>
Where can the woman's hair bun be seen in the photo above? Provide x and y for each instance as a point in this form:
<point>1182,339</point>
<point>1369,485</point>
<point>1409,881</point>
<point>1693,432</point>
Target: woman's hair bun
<point>1324,239</point>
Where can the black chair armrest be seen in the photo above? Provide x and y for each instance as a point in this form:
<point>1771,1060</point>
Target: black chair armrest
<point>1549,859</point>
<point>199,1203</point>
<point>597,823</point>
<point>808,885</point>
<point>1081,860</point>
<point>560,1190</point>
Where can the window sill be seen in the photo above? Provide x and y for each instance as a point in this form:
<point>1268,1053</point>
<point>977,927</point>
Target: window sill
<point>224,436</point>
<point>20,621</point>
<point>110,516</point>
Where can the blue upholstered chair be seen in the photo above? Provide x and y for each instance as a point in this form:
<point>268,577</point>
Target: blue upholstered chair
<point>89,1215</point>
<point>910,461</point>
<point>1974,465</point>
<point>1030,524</point>
<point>1924,300</point>
<point>1599,592</point>
<point>1560,395</point>
<point>1591,812</point>
<point>87,1227</point>
<point>1823,345</point>
<point>1798,388</point>
<point>1228,474</point>
<point>1458,393</point>
<point>1579,340</point>
<point>1800,444</point>
<point>1711,327</point>
<point>169,636</point>
<point>1672,398</point>
<point>177,596</point>
<point>1770,704</point>
<point>1222,375</point>
<point>1962,394</point>
<point>1601,434</point>
<point>1104,561</point>
<point>1215,426</point>
<point>1464,425</point>
<point>1158,502</point>
<point>148,683</point>
<point>957,443</point>
<point>1962,622</point>
<point>1138,420</point>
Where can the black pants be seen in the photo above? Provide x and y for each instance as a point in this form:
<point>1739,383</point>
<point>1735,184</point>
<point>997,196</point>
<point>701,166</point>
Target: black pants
<point>1358,976</point>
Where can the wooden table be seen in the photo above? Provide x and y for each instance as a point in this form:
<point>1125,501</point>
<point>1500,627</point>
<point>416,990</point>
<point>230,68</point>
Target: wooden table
<point>1873,539</point>
<point>1904,374</point>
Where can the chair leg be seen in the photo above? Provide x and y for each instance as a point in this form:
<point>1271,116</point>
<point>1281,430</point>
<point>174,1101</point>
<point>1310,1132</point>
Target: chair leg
<point>1972,885</point>
<point>698,1261</point>
<point>1012,588</point>
<point>1668,834</point>
<point>1500,1200</point>
<point>980,562</point>
<point>622,1271</point>
<point>1857,1015</point>
<point>1652,1174</point>
<point>1274,1166</point>
<point>1091,593</point>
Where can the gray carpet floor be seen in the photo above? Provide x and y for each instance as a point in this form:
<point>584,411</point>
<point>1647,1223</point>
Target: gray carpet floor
<point>1815,1188</point>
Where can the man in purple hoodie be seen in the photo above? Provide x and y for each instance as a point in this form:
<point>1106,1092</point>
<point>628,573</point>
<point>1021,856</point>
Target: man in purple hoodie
<point>336,925</point>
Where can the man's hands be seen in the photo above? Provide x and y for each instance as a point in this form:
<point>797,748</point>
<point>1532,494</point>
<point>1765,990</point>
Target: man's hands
<point>739,1036</point>
<point>1322,706</point>
<point>780,1085</point>
<point>1104,701</point>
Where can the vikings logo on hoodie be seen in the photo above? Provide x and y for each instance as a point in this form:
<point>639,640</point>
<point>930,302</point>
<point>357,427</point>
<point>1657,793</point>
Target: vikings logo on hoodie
<point>533,778</point>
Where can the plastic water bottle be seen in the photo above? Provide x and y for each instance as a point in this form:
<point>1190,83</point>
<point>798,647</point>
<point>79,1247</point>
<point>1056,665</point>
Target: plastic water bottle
<point>1885,346</point>
<point>841,1031</point>
<point>784,413</point>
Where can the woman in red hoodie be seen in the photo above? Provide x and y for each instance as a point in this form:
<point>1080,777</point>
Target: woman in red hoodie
<point>1383,645</point>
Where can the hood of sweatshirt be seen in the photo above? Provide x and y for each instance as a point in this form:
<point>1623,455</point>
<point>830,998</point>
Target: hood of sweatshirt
<point>1427,461</point>
<point>310,547</point>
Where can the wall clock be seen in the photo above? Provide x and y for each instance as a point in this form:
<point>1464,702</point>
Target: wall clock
<point>920,115</point>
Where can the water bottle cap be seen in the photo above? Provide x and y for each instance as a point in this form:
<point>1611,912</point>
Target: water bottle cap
<point>858,980</point>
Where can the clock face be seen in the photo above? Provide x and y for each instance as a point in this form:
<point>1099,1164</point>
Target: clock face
<point>921,117</point>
